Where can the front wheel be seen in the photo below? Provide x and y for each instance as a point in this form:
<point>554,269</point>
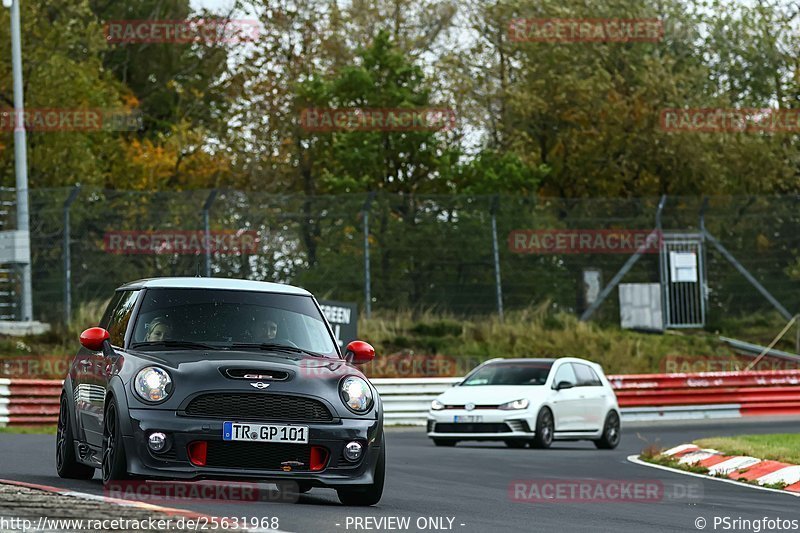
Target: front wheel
<point>445,442</point>
<point>67,464</point>
<point>611,433</point>
<point>115,464</point>
<point>544,429</point>
<point>369,494</point>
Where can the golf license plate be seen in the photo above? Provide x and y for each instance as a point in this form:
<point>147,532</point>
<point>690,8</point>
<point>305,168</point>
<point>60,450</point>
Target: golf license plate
<point>468,418</point>
<point>264,432</point>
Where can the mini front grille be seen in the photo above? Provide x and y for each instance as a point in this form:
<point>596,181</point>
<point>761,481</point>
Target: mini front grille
<point>257,455</point>
<point>249,406</point>
<point>476,427</point>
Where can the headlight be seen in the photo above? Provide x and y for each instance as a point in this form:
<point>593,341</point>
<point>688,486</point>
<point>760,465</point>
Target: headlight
<point>515,405</point>
<point>436,405</point>
<point>356,394</point>
<point>152,384</point>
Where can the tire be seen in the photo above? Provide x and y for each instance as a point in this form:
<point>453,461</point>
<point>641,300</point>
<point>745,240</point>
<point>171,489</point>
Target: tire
<point>445,442</point>
<point>513,443</point>
<point>611,433</point>
<point>370,494</point>
<point>115,464</point>
<point>545,427</point>
<point>67,464</point>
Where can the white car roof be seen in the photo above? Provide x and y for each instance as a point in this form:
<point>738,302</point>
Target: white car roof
<point>214,283</point>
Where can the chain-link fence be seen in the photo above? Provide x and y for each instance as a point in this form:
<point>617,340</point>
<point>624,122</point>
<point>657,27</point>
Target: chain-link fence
<point>444,253</point>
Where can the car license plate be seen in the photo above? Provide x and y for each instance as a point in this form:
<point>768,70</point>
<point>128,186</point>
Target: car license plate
<point>264,433</point>
<point>468,418</point>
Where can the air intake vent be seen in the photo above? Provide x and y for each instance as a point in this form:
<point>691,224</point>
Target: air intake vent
<point>256,374</point>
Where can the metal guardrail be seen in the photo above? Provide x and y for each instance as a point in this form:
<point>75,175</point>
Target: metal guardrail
<point>643,397</point>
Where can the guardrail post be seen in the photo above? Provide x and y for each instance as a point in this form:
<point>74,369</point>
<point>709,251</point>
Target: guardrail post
<point>67,254</point>
<point>207,230</point>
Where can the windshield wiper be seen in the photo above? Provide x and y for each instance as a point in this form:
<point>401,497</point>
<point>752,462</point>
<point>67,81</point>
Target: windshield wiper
<point>177,344</point>
<point>276,347</point>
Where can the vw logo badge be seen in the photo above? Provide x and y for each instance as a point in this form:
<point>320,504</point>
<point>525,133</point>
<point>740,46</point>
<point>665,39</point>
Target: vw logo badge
<point>260,385</point>
<point>469,406</point>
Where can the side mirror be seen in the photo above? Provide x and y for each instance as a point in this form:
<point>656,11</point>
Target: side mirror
<point>94,338</point>
<point>564,385</point>
<point>359,352</point>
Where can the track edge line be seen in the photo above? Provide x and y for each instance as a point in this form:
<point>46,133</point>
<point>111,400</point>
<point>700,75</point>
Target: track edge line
<point>635,460</point>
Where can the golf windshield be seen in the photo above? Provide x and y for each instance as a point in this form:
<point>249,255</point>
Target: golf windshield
<point>226,318</point>
<point>534,373</point>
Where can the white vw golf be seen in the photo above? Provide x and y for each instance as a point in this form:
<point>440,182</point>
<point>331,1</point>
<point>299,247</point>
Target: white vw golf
<point>534,401</point>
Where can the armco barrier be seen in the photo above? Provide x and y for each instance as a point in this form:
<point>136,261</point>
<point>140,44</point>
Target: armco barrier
<point>642,397</point>
<point>29,401</point>
<point>406,401</point>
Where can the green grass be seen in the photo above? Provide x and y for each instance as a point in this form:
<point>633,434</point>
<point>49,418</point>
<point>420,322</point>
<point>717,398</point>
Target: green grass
<point>784,447</point>
<point>532,332</point>
<point>672,462</point>
<point>29,430</point>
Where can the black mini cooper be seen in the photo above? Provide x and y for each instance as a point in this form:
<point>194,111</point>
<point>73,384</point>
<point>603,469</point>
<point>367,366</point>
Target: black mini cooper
<point>200,378</point>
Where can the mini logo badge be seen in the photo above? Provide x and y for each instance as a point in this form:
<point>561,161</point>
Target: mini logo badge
<point>260,385</point>
<point>469,406</point>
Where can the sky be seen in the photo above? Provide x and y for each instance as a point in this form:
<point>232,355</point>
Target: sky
<point>211,4</point>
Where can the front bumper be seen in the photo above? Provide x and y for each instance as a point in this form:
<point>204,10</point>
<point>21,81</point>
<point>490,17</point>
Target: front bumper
<point>494,424</point>
<point>181,430</point>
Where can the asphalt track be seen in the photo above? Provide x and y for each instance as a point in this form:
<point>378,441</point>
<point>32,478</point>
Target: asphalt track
<point>470,485</point>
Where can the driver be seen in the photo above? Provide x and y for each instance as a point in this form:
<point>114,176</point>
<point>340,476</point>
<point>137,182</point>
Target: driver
<point>271,329</point>
<point>158,329</point>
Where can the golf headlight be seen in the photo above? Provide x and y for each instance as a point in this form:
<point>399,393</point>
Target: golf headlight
<point>515,405</point>
<point>436,405</point>
<point>152,384</point>
<point>356,394</point>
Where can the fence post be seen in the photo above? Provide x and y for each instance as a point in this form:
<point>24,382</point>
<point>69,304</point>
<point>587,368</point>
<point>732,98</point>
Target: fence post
<point>496,251</point>
<point>207,230</point>
<point>67,255</point>
<point>367,282</point>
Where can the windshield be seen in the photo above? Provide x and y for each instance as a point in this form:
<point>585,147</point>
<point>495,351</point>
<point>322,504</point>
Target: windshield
<point>510,374</point>
<point>224,318</point>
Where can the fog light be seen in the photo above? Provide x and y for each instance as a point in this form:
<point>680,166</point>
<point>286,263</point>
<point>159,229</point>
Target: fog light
<point>157,441</point>
<point>352,452</point>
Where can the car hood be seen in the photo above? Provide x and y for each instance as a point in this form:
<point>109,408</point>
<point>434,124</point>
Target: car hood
<point>490,394</point>
<point>197,371</point>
